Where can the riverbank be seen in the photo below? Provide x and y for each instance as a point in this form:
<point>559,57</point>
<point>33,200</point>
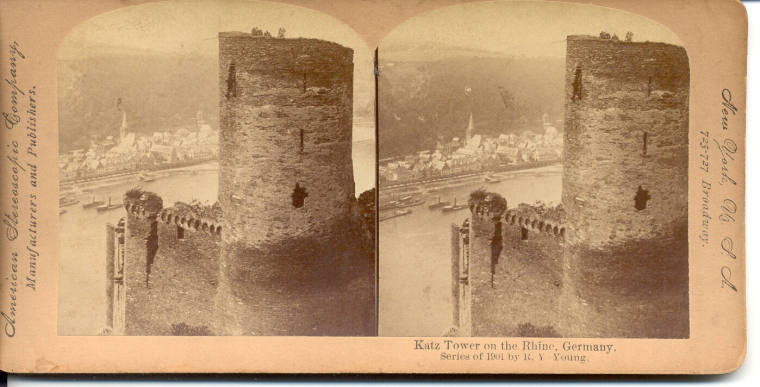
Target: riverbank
<point>435,179</point>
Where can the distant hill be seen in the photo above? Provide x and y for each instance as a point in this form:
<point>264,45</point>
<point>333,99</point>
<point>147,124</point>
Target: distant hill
<point>421,99</point>
<point>158,92</point>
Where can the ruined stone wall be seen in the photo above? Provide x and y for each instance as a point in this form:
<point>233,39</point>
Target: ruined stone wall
<point>174,295</point>
<point>626,125</point>
<point>524,299</point>
<point>285,120</point>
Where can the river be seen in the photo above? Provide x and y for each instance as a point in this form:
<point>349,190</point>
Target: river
<point>81,290</point>
<point>415,249</point>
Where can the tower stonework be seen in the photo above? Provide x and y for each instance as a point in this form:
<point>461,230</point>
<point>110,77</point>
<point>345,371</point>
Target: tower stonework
<point>285,121</point>
<point>286,186</point>
<point>625,188</point>
<point>626,126</point>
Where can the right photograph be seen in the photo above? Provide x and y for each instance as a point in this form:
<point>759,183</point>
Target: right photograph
<point>533,174</point>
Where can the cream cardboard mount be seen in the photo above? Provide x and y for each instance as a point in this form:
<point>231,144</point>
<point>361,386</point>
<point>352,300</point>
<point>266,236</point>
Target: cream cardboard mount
<point>373,187</point>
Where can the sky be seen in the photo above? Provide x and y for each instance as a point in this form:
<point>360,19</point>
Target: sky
<point>528,29</point>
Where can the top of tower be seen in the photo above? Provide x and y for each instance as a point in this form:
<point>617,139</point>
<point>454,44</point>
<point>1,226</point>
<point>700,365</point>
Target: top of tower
<point>243,36</point>
<point>615,41</point>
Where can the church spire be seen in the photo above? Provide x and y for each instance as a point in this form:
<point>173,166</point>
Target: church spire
<point>470,127</point>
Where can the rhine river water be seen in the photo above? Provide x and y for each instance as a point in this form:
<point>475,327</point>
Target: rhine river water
<point>414,275</point>
<point>415,249</point>
<point>81,290</point>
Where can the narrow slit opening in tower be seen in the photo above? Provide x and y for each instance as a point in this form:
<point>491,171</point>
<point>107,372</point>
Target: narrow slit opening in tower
<point>578,84</point>
<point>523,233</point>
<point>644,149</point>
<point>301,140</point>
<point>180,233</point>
<point>641,198</point>
<point>231,81</point>
<point>649,86</point>
<point>299,195</point>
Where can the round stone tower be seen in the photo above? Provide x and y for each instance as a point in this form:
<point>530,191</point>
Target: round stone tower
<point>285,137</point>
<point>625,184</point>
<point>285,177</point>
<point>626,140</point>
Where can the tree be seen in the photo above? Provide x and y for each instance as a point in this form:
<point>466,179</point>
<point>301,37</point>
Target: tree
<point>256,31</point>
<point>281,33</point>
<point>629,36</point>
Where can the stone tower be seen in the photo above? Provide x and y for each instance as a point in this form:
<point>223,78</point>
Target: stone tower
<point>286,179</point>
<point>627,126</point>
<point>625,182</point>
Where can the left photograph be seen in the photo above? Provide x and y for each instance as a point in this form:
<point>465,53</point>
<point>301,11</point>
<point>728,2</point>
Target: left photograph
<point>217,173</point>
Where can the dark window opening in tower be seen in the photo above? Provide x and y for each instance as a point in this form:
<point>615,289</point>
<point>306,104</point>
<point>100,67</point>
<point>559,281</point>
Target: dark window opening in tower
<point>299,195</point>
<point>304,82</point>
<point>649,86</point>
<point>645,143</point>
<point>231,81</point>
<point>523,233</point>
<point>180,233</point>
<point>301,140</point>
<point>578,84</point>
<point>641,198</point>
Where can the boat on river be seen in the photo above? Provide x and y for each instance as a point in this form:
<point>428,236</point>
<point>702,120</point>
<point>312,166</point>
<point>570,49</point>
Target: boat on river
<point>93,202</point>
<point>490,179</point>
<point>65,201</point>
<point>146,177</point>
<point>108,206</point>
<point>454,207</point>
<point>438,204</point>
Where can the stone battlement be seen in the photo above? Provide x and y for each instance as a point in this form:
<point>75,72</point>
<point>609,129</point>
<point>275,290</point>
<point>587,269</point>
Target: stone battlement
<point>171,217</point>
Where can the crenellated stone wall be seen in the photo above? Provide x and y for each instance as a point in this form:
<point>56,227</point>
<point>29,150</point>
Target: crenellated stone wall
<point>524,291</point>
<point>171,293</point>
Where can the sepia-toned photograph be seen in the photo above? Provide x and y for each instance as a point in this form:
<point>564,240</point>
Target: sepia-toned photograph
<point>217,173</point>
<point>533,174</point>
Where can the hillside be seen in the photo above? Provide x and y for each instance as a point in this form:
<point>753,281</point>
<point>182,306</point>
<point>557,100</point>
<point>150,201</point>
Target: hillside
<point>420,99</point>
<point>157,91</point>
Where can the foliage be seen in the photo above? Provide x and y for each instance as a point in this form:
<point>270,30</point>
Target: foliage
<point>477,197</point>
<point>629,36</point>
<point>198,209</point>
<point>149,201</point>
<point>542,210</point>
<point>366,204</point>
<point>529,330</point>
<point>491,203</point>
<point>281,33</point>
